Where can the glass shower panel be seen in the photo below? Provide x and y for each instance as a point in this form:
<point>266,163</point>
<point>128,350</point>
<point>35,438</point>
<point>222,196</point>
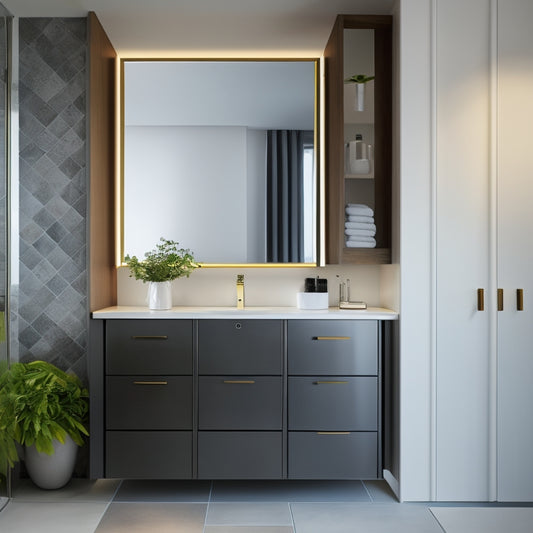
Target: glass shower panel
<point>5,36</point>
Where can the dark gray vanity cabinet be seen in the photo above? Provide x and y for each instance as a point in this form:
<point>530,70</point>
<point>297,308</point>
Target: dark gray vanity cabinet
<point>333,399</point>
<point>240,399</point>
<point>149,399</point>
<point>236,399</point>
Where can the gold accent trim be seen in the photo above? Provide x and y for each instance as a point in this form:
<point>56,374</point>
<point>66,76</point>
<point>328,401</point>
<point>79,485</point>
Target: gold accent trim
<point>239,381</point>
<point>317,153</point>
<point>331,338</point>
<point>330,382</point>
<point>333,432</point>
<point>500,299</point>
<point>481,299</point>
<point>149,337</point>
<point>519,299</point>
<point>150,382</point>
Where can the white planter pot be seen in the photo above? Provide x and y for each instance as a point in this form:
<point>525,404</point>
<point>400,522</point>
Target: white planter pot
<point>52,471</point>
<point>359,104</point>
<point>160,295</point>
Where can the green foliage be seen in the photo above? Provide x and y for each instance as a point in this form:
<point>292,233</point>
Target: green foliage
<point>164,263</point>
<point>359,78</point>
<point>40,403</point>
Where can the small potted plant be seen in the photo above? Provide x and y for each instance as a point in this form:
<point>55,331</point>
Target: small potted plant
<point>44,410</point>
<point>360,80</point>
<point>166,262</point>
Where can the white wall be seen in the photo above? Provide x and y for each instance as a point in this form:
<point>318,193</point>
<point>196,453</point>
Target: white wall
<point>263,286</point>
<point>201,176</point>
<point>416,224</point>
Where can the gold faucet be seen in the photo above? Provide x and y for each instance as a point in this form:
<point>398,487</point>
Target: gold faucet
<point>240,291</point>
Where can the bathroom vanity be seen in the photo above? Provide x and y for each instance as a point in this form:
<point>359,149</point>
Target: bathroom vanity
<point>220,393</point>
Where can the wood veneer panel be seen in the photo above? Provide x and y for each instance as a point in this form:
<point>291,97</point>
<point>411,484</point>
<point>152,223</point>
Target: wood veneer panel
<point>102,85</point>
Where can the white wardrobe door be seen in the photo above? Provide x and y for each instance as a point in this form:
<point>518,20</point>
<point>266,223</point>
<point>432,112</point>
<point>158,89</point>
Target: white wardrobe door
<point>515,249</point>
<point>462,262</point>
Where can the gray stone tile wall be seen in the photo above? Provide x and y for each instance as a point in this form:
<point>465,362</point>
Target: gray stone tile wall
<point>52,306</point>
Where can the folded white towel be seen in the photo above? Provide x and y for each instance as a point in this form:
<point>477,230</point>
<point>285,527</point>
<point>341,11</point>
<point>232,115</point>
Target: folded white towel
<point>362,238</point>
<point>359,225</point>
<point>361,244</point>
<point>360,232</point>
<point>360,218</point>
<point>359,209</point>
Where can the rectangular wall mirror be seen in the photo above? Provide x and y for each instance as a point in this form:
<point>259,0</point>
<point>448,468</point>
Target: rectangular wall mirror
<point>221,156</point>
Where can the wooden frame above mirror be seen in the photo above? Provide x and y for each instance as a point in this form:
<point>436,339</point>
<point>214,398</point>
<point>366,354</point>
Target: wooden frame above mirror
<point>220,161</point>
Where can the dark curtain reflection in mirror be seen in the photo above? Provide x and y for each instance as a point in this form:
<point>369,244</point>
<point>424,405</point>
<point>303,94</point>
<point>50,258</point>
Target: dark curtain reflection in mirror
<point>285,194</point>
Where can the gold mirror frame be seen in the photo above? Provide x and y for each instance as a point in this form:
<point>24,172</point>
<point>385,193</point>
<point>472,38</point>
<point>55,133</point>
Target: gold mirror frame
<point>317,160</point>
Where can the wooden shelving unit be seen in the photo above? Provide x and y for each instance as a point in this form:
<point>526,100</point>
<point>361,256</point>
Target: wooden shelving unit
<point>336,252</point>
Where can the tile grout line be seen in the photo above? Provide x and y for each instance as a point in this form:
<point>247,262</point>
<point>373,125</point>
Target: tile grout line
<point>111,500</point>
<point>436,519</point>
<point>208,503</point>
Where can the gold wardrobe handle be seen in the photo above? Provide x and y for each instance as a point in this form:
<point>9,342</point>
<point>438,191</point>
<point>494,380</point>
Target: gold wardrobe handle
<point>331,338</point>
<point>330,382</point>
<point>150,337</point>
<point>481,299</point>
<point>239,381</point>
<point>150,382</point>
<point>519,299</point>
<point>500,299</point>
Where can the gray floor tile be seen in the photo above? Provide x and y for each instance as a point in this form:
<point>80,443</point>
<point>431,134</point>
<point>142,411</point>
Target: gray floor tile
<point>77,490</point>
<point>289,491</point>
<point>380,491</point>
<point>249,529</point>
<point>249,514</point>
<point>164,491</point>
<point>363,518</point>
<point>485,519</point>
<point>153,517</point>
<point>51,517</point>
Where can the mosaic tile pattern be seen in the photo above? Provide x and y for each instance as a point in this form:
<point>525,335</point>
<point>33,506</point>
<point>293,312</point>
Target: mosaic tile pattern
<point>52,307</point>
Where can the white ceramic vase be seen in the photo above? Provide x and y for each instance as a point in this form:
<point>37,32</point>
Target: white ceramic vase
<point>359,97</point>
<point>52,471</point>
<point>160,295</point>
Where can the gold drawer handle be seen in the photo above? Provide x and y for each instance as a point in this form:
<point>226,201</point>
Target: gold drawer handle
<point>150,382</point>
<point>519,299</point>
<point>330,382</point>
<point>333,433</point>
<point>481,300</point>
<point>240,381</point>
<point>150,337</point>
<point>331,338</point>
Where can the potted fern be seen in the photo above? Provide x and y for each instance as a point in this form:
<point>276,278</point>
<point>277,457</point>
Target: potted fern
<point>44,410</point>
<point>165,263</point>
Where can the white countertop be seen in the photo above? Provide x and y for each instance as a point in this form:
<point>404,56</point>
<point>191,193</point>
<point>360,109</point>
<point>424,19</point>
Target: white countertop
<point>333,313</point>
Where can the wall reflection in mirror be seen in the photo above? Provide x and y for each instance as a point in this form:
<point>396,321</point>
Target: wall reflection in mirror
<point>221,156</point>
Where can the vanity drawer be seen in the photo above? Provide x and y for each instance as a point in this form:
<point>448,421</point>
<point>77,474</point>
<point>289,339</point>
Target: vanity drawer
<point>333,455</point>
<point>149,454</point>
<point>239,455</point>
<point>230,402</point>
<point>149,402</point>
<point>334,347</point>
<point>149,347</point>
<point>333,403</point>
<point>244,347</point>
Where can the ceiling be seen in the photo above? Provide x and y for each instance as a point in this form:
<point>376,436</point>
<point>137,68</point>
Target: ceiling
<point>214,28</point>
